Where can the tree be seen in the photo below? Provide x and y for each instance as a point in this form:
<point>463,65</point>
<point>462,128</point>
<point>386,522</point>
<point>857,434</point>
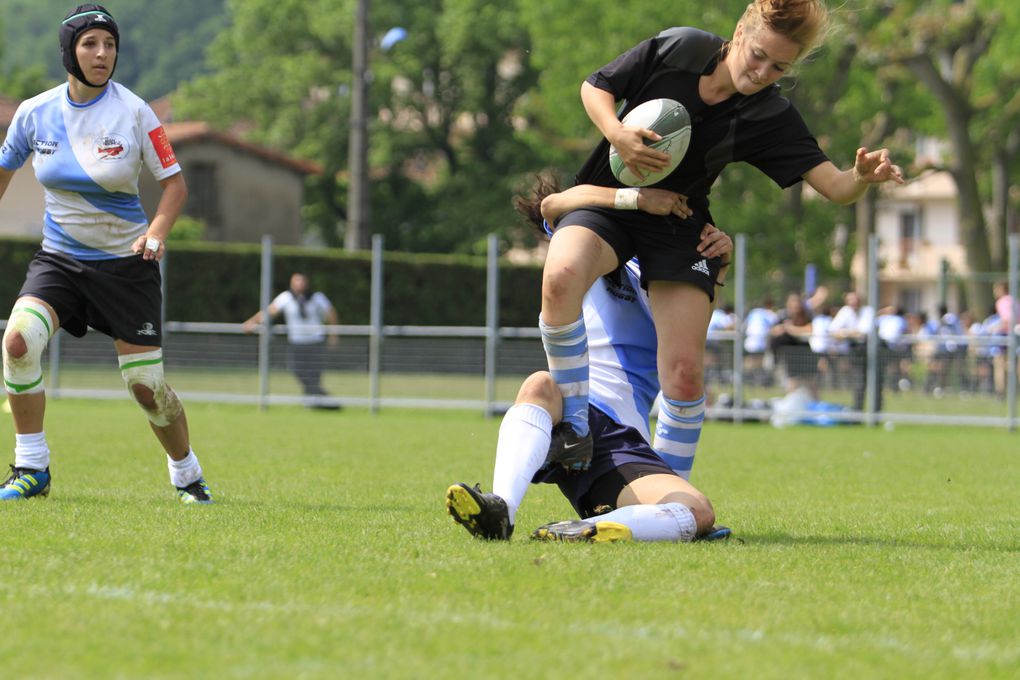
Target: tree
<point>443,155</point>
<point>162,44</point>
<point>948,47</point>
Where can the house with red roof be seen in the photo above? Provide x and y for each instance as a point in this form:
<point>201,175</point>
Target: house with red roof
<point>239,190</point>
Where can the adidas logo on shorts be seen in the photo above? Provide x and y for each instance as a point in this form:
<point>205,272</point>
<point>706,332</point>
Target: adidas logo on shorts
<point>701,266</point>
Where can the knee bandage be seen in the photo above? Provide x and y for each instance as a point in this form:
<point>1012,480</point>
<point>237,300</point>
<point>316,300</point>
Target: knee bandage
<point>23,375</point>
<point>146,369</point>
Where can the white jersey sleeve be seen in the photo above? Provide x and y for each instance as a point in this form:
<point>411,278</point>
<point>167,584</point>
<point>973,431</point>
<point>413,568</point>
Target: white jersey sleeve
<point>157,153</point>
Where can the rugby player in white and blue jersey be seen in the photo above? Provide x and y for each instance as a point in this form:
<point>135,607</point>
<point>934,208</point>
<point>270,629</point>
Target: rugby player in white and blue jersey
<point>98,266</point>
<point>630,491</point>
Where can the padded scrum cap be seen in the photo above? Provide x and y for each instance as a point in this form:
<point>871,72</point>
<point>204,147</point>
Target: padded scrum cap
<point>80,19</point>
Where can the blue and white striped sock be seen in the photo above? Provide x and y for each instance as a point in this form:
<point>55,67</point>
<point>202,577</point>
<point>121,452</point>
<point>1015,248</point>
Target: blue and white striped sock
<point>677,432</point>
<point>566,349</point>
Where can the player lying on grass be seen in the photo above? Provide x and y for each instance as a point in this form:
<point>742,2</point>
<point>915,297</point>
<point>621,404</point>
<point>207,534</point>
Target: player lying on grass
<point>628,492</point>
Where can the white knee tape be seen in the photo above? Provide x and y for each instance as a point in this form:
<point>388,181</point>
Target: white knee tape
<point>23,375</point>
<point>146,369</point>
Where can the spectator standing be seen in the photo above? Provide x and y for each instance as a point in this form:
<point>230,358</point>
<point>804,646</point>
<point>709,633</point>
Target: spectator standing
<point>849,329</point>
<point>1006,308</point>
<point>757,328</point>
<point>305,312</point>
<point>789,342</point>
<point>892,327</point>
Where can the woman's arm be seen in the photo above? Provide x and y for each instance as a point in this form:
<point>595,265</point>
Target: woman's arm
<point>5,180</point>
<point>846,186</point>
<point>175,193</point>
<point>654,201</point>
<point>629,141</point>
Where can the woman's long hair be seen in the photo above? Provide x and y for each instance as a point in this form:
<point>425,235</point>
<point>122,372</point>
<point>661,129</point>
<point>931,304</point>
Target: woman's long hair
<point>529,205</point>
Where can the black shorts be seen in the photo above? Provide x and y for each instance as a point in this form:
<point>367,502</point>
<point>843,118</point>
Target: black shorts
<point>666,246</point>
<point>120,297</point>
<point>621,455</point>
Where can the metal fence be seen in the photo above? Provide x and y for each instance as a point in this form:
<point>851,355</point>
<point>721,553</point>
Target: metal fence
<point>923,379</point>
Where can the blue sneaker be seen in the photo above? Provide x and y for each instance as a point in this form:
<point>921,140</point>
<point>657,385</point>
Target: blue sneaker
<point>25,483</point>
<point>196,492</point>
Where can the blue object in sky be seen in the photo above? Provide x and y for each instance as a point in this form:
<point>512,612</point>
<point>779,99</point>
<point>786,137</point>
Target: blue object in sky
<point>392,37</point>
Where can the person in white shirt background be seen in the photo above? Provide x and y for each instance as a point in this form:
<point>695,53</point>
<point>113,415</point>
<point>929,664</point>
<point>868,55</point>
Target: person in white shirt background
<point>849,330</point>
<point>306,313</point>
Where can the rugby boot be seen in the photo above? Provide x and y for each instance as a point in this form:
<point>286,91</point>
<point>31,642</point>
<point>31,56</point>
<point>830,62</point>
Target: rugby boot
<point>577,531</point>
<point>25,483</point>
<point>484,515</point>
<point>716,533</point>
<point>196,492</point>
<point>569,449</point>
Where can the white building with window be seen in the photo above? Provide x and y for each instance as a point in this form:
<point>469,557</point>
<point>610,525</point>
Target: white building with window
<point>918,227</point>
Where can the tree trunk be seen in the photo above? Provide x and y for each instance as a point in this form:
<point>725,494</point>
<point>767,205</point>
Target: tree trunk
<point>964,171</point>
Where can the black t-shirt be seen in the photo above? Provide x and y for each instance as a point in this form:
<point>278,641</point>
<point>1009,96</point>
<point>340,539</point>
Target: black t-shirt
<point>763,129</point>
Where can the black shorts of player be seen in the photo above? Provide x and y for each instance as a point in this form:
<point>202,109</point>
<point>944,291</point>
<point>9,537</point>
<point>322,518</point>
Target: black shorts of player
<point>620,456</point>
<point>666,246</point>
<point>120,297</point>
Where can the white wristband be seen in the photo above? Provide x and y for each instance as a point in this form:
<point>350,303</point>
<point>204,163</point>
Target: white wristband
<point>626,199</point>
<point>152,244</point>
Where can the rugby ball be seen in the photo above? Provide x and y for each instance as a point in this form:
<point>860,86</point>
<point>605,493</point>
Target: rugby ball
<point>671,121</point>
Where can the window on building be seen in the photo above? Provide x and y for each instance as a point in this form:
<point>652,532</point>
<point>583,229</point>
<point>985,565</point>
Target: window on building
<point>203,196</point>
<point>910,237</point>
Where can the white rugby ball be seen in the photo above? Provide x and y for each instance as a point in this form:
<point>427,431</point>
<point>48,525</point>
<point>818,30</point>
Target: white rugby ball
<point>671,121</point>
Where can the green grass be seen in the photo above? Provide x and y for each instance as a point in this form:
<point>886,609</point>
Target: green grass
<point>244,380</point>
<point>862,554</point>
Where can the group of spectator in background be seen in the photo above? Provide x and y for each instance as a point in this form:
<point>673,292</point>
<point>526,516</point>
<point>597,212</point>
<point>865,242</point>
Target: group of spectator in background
<point>811,344</point>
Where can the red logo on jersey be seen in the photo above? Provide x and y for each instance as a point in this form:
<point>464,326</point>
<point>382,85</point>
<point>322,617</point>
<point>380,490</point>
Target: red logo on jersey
<point>109,147</point>
<point>162,146</point>
<point>110,151</point>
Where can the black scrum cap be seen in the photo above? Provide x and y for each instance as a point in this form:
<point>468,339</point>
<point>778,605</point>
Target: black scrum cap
<point>80,19</point>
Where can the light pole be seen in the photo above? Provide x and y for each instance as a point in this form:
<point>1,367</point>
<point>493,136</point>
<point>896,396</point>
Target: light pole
<point>357,236</point>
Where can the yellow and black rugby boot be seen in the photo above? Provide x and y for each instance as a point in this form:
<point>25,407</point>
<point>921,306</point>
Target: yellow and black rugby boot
<point>484,515</point>
<point>578,531</point>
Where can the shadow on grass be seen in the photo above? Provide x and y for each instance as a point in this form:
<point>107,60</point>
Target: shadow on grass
<point>871,541</point>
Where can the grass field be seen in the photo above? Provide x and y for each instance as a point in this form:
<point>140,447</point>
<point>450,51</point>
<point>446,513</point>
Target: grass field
<point>862,554</point>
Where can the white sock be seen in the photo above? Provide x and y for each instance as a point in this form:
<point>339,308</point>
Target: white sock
<point>524,437</point>
<point>31,451</point>
<point>184,472</point>
<point>664,522</point>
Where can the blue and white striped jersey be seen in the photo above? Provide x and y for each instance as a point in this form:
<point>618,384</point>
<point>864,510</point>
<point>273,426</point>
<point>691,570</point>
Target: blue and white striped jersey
<point>624,380</point>
<point>87,157</point>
